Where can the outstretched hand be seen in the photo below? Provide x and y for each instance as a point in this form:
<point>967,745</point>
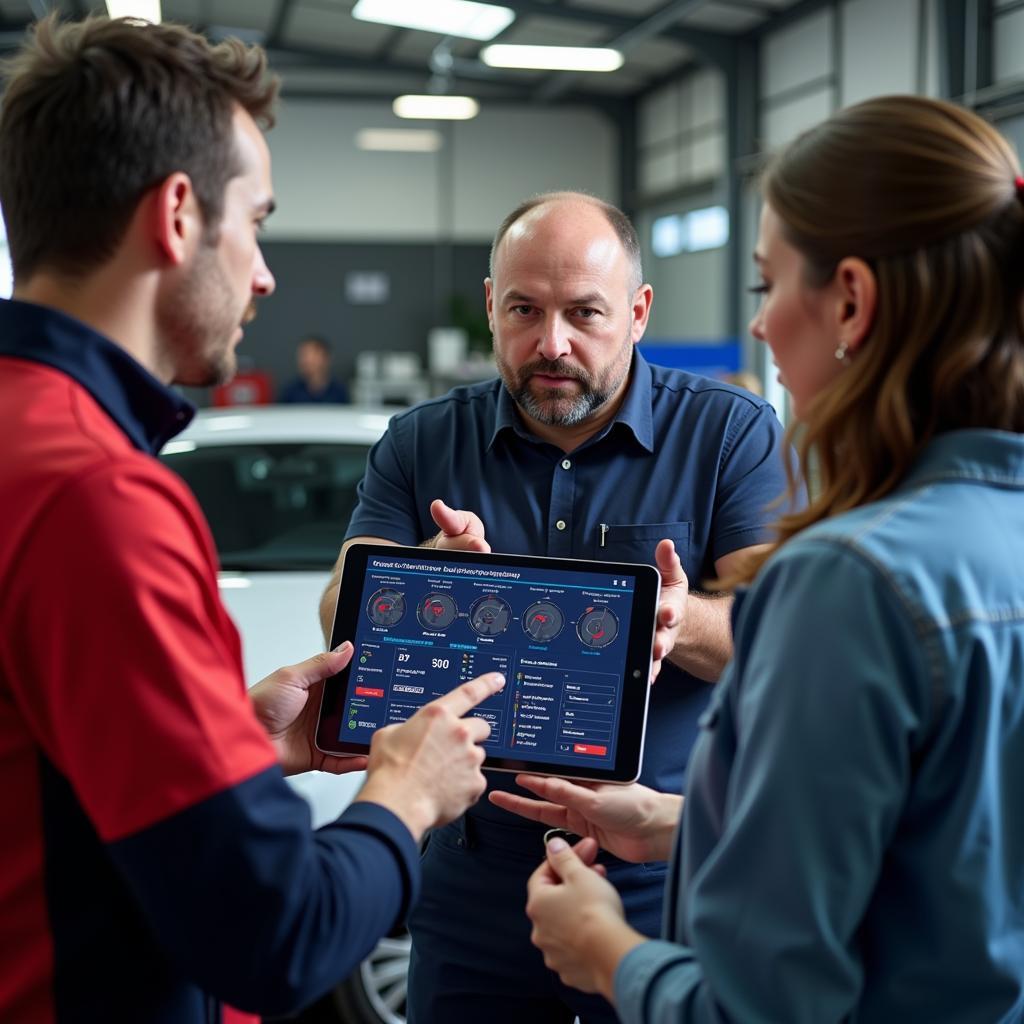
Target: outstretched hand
<point>287,703</point>
<point>633,822</point>
<point>460,530</point>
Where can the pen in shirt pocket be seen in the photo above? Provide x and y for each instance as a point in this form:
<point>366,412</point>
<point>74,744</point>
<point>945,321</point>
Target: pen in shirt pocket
<point>604,529</point>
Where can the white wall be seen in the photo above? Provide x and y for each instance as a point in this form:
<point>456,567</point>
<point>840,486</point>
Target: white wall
<point>880,48</point>
<point>681,134</point>
<point>845,53</point>
<point>690,288</point>
<point>1007,42</point>
<point>328,189</point>
<point>681,143</point>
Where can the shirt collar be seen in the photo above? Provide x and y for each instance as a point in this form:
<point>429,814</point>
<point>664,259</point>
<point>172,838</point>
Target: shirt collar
<point>990,456</point>
<point>635,412</point>
<point>148,411</point>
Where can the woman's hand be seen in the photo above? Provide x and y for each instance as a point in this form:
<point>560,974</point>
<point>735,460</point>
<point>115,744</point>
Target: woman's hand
<point>578,920</point>
<point>633,822</point>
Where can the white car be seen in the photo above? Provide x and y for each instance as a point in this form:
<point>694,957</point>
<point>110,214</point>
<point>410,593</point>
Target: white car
<point>278,485</point>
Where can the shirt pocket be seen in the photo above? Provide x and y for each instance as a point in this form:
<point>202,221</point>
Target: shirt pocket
<point>635,542</point>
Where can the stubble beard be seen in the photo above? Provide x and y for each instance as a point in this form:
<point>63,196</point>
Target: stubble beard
<point>200,324</point>
<point>553,407</point>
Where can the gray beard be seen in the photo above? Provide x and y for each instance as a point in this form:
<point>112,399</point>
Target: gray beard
<point>553,411</point>
<point>548,411</point>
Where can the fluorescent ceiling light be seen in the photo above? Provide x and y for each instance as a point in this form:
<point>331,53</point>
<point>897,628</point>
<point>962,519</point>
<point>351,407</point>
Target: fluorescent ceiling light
<point>446,17</point>
<point>399,140</point>
<point>551,58</point>
<point>145,10</point>
<point>447,108</point>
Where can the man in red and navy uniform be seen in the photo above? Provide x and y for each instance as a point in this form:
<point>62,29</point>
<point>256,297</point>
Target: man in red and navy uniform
<point>154,864</point>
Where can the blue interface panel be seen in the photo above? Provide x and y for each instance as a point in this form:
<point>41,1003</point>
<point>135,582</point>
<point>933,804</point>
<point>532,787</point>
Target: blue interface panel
<point>559,638</point>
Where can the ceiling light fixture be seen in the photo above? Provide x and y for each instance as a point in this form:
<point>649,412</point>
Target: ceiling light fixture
<point>144,10</point>
<point>551,58</point>
<point>436,108</point>
<point>399,140</point>
<point>446,17</point>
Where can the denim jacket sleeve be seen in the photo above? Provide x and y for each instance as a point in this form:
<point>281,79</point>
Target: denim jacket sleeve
<point>795,792</point>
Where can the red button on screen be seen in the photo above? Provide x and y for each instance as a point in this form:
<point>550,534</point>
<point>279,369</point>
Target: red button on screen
<point>365,691</point>
<point>589,748</point>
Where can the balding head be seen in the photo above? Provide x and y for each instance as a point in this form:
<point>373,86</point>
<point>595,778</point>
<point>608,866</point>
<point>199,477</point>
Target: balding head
<point>574,210</point>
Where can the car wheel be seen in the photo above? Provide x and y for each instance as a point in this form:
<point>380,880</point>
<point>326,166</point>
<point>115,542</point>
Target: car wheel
<point>376,992</point>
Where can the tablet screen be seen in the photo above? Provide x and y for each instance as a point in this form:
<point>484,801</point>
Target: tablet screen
<point>558,630</point>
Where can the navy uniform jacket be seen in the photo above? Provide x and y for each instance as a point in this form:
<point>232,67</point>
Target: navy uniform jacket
<point>154,862</point>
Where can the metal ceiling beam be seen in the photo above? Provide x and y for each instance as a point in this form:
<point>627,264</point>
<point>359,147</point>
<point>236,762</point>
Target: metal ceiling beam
<point>386,49</point>
<point>504,99</point>
<point>709,43</point>
<point>749,5</point>
<point>307,58</point>
<point>325,59</point>
<point>662,19</point>
<point>791,15</point>
<point>276,31</point>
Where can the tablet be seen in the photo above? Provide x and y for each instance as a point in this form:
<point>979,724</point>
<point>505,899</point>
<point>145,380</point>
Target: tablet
<point>572,638</point>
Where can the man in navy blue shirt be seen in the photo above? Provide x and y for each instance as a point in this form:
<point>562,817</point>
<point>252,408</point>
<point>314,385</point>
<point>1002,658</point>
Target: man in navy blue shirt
<point>580,449</point>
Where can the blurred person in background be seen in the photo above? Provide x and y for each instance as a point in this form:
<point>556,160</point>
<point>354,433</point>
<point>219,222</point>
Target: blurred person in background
<point>315,382</point>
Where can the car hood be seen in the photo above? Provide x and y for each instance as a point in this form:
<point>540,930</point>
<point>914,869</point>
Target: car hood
<point>278,615</point>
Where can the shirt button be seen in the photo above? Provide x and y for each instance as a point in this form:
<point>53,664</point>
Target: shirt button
<point>566,464</point>
<point>560,525</point>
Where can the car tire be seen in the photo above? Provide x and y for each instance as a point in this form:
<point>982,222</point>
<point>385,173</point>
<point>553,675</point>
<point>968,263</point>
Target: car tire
<point>375,993</point>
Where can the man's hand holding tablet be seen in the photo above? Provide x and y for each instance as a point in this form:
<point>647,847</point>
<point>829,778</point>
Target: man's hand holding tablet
<point>461,530</point>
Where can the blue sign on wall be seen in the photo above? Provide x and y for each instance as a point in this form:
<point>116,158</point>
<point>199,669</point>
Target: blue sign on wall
<point>713,359</point>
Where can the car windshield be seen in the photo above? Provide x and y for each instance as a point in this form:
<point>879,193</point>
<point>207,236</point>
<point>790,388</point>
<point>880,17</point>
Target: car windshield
<point>274,506</point>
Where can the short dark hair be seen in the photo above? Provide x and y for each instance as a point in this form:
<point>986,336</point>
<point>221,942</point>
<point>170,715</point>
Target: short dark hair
<point>621,224</point>
<point>316,339</point>
<point>97,112</point>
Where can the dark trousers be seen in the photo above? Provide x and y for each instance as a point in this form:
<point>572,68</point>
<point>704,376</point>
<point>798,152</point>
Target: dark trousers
<point>472,960</point>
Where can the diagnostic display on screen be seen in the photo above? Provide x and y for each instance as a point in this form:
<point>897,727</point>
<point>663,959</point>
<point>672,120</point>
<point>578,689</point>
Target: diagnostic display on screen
<point>571,638</point>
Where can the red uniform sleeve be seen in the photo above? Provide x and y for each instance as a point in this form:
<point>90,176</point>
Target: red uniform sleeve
<point>126,663</point>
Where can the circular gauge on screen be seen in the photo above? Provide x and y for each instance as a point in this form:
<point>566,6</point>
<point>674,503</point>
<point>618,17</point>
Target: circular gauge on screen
<point>386,607</point>
<point>543,621</point>
<point>489,616</point>
<point>597,627</point>
<point>436,611</point>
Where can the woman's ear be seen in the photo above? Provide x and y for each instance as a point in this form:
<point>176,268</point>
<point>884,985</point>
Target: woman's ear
<point>857,300</point>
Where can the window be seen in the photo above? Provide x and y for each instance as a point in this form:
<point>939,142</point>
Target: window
<point>274,506</point>
<point>695,231</point>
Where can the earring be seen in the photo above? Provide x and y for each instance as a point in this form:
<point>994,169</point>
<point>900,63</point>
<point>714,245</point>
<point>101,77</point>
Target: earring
<point>841,352</point>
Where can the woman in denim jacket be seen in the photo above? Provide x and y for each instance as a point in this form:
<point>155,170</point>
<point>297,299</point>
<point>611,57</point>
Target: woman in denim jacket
<point>852,847</point>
